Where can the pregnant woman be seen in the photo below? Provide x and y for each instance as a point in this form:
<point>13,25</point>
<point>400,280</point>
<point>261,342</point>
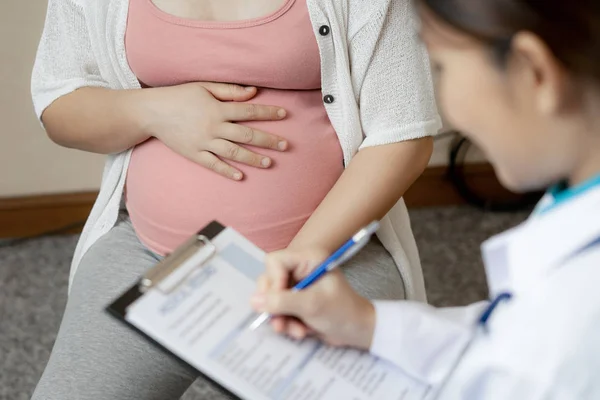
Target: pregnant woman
<point>251,113</point>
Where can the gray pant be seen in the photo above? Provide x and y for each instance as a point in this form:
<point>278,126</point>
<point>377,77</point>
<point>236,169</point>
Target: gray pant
<point>97,357</point>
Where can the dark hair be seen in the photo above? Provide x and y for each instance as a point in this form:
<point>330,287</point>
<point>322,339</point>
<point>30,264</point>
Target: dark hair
<point>570,28</point>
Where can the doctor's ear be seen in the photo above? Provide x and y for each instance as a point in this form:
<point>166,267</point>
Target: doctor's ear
<point>541,77</point>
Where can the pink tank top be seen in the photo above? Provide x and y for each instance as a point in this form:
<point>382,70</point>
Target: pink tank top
<point>168,197</point>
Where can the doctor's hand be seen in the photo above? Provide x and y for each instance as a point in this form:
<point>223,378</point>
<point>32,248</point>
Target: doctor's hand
<point>329,309</point>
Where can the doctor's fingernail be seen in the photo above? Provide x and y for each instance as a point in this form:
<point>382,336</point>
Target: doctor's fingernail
<point>258,301</point>
<point>281,113</point>
<point>282,145</point>
<point>265,162</point>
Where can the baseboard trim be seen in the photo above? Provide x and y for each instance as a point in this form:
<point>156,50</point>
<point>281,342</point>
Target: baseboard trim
<point>34,215</point>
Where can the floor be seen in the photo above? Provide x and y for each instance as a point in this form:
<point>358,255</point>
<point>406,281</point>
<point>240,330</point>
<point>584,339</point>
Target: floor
<point>33,284</point>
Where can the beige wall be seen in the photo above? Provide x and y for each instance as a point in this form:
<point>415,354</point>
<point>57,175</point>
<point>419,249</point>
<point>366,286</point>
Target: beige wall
<point>29,162</point>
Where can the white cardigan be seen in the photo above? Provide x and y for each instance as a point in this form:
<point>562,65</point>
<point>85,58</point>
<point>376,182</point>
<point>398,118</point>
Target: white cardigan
<point>372,64</point>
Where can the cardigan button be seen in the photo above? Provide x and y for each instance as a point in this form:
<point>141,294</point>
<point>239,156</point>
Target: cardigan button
<point>328,99</point>
<point>324,30</point>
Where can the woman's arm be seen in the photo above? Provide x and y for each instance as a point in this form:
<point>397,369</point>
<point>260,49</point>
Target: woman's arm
<point>187,117</point>
<point>374,181</point>
<point>397,113</point>
<point>194,120</point>
<point>79,109</point>
<point>98,120</point>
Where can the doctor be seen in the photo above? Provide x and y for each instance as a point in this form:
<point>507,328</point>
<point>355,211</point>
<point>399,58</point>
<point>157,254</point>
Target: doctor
<point>521,78</point>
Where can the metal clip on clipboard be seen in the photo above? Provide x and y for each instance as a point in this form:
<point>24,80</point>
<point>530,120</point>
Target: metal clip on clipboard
<point>168,275</point>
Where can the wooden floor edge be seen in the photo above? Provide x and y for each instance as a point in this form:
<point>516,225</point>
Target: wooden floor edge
<point>34,215</point>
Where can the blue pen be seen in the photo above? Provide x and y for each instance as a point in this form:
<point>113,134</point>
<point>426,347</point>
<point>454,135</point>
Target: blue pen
<point>343,254</point>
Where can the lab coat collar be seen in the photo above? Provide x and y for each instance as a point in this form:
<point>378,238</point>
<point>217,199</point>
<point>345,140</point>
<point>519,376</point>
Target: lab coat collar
<point>520,257</point>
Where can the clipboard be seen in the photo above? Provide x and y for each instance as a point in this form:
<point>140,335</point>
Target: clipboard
<point>168,307</point>
<point>155,275</point>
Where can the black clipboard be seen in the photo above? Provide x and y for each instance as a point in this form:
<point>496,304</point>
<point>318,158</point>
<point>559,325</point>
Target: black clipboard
<point>118,308</point>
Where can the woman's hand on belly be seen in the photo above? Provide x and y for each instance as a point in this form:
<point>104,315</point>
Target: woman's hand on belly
<point>199,122</point>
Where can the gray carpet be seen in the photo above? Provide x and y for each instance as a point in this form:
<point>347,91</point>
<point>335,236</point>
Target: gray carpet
<point>33,285</point>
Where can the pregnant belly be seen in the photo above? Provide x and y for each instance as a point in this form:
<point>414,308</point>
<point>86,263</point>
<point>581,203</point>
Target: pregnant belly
<point>169,197</point>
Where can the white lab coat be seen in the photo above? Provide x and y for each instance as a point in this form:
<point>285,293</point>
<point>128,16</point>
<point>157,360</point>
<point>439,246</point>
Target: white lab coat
<point>542,344</point>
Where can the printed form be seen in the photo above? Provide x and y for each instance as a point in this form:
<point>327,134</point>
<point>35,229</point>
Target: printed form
<point>205,323</point>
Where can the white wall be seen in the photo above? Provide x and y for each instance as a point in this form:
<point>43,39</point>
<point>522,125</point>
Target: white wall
<point>29,162</point>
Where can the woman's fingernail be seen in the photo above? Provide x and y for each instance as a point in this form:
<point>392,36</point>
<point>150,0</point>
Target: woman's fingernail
<point>265,162</point>
<point>282,145</point>
<point>237,176</point>
<point>249,88</point>
<point>258,300</point>
<point>281,113</point>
